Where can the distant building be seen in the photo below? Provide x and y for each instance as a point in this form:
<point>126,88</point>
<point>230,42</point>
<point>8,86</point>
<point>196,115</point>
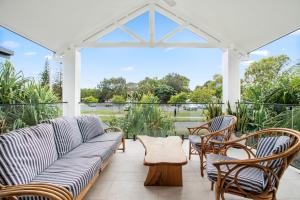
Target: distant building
<point>5,53</point>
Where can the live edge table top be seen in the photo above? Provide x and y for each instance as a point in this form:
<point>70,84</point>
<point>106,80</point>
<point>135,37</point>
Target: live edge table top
<point>163,151</point>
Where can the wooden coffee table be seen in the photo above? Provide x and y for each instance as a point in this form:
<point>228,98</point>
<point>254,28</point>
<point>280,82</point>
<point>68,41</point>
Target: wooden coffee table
<point>165,158</point>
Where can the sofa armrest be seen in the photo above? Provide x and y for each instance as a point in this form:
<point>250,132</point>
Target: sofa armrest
<point>111,129</point>
<point>50,191</point>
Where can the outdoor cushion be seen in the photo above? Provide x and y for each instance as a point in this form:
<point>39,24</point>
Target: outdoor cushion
<point>103,150</point>
<point>90,127</point>
<point>216,123</point>
<point>67,134</point>
<point>74,173</point>
<point>111,136</point>
<point>195,140</point>
<point>26,152</point>
<point>249,179</point>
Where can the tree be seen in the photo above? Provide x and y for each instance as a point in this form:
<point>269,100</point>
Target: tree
<point>148,85</point>
<point>164,93</point>
<point>57,85</point>
<point>178,98</point>
<point>261,77</point>
<point>202,95</point>
<point>90,99</point>
<point>45,75</point>
<point>113,86</point>
<point>178,82</point>
<point>216,85</point>
<point>118,99</point>
<point>86,92</point>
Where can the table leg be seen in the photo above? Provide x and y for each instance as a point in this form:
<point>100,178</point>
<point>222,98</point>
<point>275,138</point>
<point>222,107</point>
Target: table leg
<point>164,175</point>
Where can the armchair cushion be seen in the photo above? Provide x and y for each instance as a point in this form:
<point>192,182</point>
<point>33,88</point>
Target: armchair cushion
<point>249,179</point>
<point>67,134</point>
<point>73,174</point>
<point>195,141</point>
<point>26,152</point>
<point>216,123</point>
<point>111,136</point>
<point>90,127</point>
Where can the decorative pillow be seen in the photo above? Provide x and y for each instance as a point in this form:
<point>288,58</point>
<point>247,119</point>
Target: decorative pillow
<point>26,152</point>
<point>67,134</point>
<point>90,127</point>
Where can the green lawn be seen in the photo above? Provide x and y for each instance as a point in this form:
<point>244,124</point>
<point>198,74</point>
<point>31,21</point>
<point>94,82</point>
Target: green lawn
<point>102,112</point>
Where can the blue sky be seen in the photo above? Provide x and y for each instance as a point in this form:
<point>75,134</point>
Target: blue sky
<point>134,64</point>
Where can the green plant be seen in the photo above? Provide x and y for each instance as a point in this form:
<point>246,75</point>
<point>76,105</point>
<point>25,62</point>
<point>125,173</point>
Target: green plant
<point>118,99</point>
<point>213,110</point>
<point>145,119</point>
<point>90,99</point>
<point>259,117</point>
<point>23,102</point>
<point>241,113</point>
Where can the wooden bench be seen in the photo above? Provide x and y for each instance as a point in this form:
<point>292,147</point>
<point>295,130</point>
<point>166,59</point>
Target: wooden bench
<point>165,158</point>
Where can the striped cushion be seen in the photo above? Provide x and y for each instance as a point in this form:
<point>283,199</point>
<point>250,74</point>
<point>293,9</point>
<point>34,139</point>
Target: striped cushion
<point>103,150</point>
<point>67,134</point>
<point>90,127</point>
<point>26,152</point>
<point>225,122</point>
<point>249,179</point>
<point>195,141</point>
<point>111,136</point>
<point>265,146</point>
<point>216,123</point>
<point>74,174</point>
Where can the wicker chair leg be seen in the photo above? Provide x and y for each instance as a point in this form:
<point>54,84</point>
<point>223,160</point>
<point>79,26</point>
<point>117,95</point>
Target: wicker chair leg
<point>123,143</point>
<point>217,192</point>
<point>201,163</point>
<point>212,186</point>
<point>190,150</point>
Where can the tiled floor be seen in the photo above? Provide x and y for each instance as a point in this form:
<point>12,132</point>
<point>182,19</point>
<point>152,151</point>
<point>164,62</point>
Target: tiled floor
<point>123,180</point>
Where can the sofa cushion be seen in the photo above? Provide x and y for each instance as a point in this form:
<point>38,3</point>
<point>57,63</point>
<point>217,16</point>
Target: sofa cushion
<point>90,127</point>
<point>195,141</point>
<point>73,174</point>
<point>67,134</point>
<point>111,136</point>
<point>26,152</point>
<point>103,150</point>
<point>250,179</point>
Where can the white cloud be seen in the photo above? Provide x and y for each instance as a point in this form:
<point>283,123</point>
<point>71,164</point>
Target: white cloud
<point>30,53</point>
<point>128,68</point>
<point>263,53</point>
<point>247,62</point>
<point>296,32</point>
<point>10,44</point>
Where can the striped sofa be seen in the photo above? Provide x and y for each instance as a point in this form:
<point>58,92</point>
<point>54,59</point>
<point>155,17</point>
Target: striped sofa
<point>65,152</point>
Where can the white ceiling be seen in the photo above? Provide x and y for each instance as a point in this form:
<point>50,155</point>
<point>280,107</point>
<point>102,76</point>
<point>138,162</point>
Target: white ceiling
<point>242,24</point>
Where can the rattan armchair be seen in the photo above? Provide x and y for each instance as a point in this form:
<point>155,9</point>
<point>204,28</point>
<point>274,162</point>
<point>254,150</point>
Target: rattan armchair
<point>269,153</point>
<point>219,128</point>
<point>47,191</point>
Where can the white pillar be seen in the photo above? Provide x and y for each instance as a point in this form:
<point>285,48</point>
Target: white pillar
<point>71,82</point>
<point>231,77</point>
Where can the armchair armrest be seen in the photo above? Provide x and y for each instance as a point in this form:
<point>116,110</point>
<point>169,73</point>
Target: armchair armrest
<point>110,129</point>
<point>195,130</point>
<point>50,191</point>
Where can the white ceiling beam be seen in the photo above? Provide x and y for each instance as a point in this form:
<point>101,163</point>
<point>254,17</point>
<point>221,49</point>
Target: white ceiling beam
<point>171,34</point>
<point>147,44</point>
<point>132,34</point>
<point>184,21</point>
<point>112,25</point>
<point>152,23</point>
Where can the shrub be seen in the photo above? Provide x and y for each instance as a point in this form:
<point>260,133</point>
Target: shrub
<point>90,99</point>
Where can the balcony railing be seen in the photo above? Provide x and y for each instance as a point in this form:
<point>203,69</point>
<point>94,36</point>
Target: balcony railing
<point>169,119</point>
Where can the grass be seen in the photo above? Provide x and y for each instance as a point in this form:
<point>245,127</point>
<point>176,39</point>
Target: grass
<point>184,113</point>
<point>187,119</point>
<point>102,112</point>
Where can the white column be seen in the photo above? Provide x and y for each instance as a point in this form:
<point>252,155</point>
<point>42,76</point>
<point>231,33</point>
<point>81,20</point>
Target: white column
<point>71,82</point>
<point>231,77</point>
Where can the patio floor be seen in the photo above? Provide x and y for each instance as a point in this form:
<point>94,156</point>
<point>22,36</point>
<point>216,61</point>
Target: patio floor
<point>124,178</point>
